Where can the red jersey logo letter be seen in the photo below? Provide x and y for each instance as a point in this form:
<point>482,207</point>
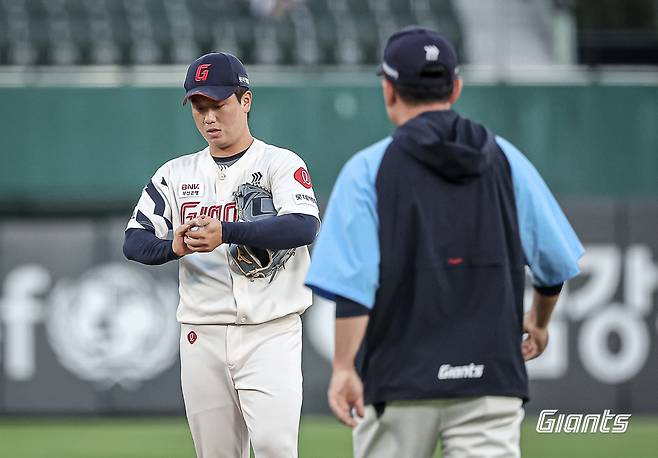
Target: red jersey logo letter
<point>202,72</point>
<point>302,176</point>
<point>191,337</point>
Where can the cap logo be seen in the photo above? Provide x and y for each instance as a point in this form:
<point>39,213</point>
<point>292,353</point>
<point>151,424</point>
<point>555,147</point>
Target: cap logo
<point>431,53</point>
<point>243,80</point>
<point>202,72</point>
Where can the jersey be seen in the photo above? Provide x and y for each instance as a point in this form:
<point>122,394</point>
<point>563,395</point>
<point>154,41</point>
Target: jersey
<point>211,292</point>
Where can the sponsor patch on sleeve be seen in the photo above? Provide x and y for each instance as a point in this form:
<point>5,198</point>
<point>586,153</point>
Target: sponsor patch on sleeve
<point>190,190</point>
<point>305,199</point>
<point>303,177</point>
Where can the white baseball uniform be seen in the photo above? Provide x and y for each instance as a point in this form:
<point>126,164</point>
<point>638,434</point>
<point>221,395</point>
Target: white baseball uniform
<point>240,337</point>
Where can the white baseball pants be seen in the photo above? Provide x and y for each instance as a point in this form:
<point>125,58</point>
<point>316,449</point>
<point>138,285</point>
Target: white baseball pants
<point>242,384</point>
<point>481,427</point>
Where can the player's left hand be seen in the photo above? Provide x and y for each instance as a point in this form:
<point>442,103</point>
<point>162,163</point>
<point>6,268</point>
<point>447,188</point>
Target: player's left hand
<point>346,393</point>
<point>206,237</point>
<point>536,339</point>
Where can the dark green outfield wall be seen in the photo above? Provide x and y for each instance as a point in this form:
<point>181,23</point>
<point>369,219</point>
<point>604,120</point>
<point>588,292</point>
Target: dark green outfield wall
<point>94,148</point>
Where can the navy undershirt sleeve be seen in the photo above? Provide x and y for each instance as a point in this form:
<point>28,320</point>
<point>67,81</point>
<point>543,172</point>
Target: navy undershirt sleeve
<point>549,290</point>
<point>281,232</point>
<point>143,246</point>
<point>346,308</point>
<point>277,233</point>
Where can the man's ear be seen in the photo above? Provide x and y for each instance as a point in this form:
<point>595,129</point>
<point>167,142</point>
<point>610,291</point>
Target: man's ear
<point>246,101</point>
<point>456,90</point>
<point>389,92</point>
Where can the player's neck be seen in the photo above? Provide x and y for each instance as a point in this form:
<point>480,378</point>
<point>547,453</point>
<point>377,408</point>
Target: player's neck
<point>411,112</point>
<point>241,145</point>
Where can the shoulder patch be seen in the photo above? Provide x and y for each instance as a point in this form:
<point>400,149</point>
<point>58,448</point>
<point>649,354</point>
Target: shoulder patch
<point>303,177</point>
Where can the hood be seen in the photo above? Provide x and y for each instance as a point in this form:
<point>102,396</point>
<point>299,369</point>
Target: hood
<point>456,148</point>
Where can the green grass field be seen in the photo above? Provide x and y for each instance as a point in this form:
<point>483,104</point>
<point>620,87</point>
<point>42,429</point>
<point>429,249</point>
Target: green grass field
<point>321,437</point>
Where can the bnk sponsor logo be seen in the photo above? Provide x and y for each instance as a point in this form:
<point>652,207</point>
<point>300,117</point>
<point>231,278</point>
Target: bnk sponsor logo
<point>550,421</point>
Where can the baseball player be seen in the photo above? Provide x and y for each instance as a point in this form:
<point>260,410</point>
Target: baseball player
<point>424,247</point>
<point>239,210</point>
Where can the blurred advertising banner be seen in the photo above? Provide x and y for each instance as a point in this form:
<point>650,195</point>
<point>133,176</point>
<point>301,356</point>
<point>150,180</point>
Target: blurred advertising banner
<point>84,331</point>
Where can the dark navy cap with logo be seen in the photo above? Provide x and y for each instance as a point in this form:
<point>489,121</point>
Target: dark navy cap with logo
<point>216,75</point>
<point>416,56</point>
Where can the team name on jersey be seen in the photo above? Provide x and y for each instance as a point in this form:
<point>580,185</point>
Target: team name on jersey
<point>194,209</point>
<point>190,190</point>
<point>447,372</point>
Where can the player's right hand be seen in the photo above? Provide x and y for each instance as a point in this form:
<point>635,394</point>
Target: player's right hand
<point>178,245</point>
<point>536,339</point>
<point>206,237</point>
<point>345,394</point>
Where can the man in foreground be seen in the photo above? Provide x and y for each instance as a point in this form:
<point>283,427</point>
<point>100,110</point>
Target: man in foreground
<point>424,248</point>
<point>241,335</point>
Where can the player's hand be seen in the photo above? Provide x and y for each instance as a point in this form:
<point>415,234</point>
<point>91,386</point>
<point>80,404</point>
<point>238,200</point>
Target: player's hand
<point>536,339</point>
<point>178,244</point>
<point>345,394</point>
<point>206,237</point>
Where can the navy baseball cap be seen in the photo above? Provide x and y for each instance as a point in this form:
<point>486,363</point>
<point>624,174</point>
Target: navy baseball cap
<point>416,56</point>
<point>216,75</point>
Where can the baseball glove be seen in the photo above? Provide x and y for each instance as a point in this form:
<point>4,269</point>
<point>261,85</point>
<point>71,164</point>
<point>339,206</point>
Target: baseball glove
<point>254,203</point>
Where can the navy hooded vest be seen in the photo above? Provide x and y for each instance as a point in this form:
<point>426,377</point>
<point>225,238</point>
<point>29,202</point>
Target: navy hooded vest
<point>449,307</point>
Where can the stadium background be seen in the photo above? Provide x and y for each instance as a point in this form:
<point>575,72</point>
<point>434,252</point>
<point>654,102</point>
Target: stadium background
<point>90,94</point>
